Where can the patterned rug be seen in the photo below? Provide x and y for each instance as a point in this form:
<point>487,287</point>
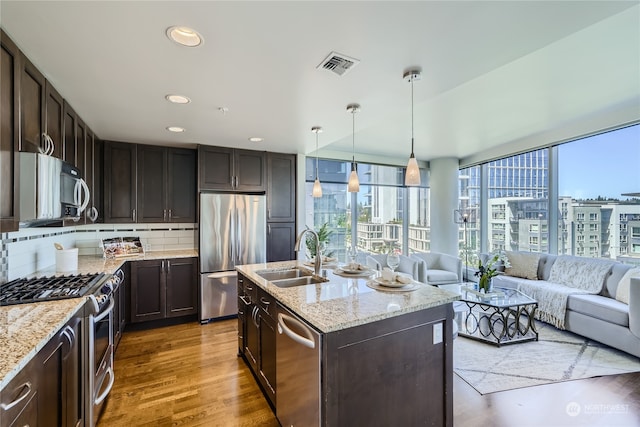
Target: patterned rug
<point>557,356</point>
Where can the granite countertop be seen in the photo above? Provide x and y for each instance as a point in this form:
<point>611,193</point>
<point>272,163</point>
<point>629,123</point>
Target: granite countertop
<point>344,302</point>
<point>26,328</point>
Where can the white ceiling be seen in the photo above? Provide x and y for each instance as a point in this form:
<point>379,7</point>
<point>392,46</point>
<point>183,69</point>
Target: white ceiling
<point>496,75</point>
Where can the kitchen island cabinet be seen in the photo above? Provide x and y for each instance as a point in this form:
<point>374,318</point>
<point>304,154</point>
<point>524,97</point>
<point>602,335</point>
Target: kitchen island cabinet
<point>385,358</point>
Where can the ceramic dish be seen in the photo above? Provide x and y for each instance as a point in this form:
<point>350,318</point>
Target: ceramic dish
<point>390,283</point>
<point>360,270</point>
<point>406,288</point>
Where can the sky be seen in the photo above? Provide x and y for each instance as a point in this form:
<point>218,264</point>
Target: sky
<point>602,165</point>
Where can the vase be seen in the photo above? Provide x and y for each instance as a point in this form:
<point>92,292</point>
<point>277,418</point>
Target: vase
<point>486,284</point>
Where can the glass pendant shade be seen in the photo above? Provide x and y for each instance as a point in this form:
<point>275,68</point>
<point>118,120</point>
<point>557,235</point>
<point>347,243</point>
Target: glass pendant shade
<point>354,183</point>
<point>412,178</point>
<point>317,189</point>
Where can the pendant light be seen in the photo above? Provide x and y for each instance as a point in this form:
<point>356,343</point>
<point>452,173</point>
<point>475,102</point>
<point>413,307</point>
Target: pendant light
<point>412,177</point>
<point>354,183</point>
<point>317,188</point>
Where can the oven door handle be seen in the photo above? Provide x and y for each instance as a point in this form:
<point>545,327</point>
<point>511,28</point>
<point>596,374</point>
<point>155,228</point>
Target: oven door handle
<point>106,391</point>
<point>105,312</point>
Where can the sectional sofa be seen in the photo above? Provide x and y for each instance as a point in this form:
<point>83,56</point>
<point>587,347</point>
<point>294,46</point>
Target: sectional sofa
<point>598,299</point>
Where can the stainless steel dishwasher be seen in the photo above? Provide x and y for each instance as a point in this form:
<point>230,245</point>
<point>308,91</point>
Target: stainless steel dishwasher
<point>297,371</point>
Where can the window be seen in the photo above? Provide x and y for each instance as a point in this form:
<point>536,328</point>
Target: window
<point>580,228</point>
<point>635,232</point>
<point>593,238</point>
<point>593,227</point>
<point>533,240</point>
<point>580,216</point>
<point>379,208</point>
<point>593,216</point>
<point>469,203</point>
<point>580,238</point>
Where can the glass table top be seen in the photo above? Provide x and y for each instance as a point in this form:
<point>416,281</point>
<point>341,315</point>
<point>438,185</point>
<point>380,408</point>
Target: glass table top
<point>500,297</point>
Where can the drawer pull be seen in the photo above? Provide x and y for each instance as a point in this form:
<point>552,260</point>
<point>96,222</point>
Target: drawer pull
<point>26,390</point>
<point>264,301</point>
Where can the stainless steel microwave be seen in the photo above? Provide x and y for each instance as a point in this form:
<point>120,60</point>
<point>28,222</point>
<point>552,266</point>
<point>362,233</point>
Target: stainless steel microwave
<point>50,190</point>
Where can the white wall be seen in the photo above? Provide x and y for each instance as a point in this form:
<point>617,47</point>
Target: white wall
<point>443,183</point>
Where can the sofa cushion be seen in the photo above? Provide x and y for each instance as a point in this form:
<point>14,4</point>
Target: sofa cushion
<point>600,307</point>
<point>622,292</point>
<point>523,264</point>
<point>587,274</point>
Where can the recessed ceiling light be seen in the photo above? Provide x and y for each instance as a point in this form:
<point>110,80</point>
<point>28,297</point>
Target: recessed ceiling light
<point>177,99</point>
<point>185,36</point>
<point>175,129</point>
<point>256,139</point>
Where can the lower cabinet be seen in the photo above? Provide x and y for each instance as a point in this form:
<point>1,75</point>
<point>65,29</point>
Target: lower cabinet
<point>49,390</point>
<point>121,297</point>
<point>281,238</point>
<point>163,288</point>
<point>257,334</point>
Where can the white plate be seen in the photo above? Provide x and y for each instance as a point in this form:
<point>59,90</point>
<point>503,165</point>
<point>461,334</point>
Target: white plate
<point>390,283</point>
<point>361,270</point>
<point>408,288</point>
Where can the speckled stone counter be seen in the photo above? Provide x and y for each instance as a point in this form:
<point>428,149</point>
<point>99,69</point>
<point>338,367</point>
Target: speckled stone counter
<point>344,302</point>
<point>26,328</point>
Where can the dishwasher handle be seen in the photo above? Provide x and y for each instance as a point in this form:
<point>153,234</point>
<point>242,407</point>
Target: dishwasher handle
<point>307,341</point>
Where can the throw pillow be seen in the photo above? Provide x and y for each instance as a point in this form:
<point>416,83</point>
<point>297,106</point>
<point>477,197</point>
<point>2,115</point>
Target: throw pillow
<point>523,264</point>
<point>622,294</point>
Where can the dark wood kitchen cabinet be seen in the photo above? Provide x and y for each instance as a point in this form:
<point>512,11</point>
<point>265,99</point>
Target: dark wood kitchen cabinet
<point>69,134</point>
<point>32,100</point>
<point>19,398</point>
<point>166,184</point>
<point>163,288</point>
<point>230,169</point>
<point>54,119</point>
<point>258,329</point>
<point>121,299</point>
<point>281,206</point>
<point>9,134</point>
<point>119,182</point>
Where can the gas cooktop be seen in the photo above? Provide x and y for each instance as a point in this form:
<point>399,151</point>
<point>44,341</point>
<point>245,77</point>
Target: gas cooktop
<point>22,291</point>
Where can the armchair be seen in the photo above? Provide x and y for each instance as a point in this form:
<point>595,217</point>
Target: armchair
<point>438,268</point>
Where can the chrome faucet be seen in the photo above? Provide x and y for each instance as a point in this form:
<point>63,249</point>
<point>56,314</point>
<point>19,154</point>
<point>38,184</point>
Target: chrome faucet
<point>317,265</point>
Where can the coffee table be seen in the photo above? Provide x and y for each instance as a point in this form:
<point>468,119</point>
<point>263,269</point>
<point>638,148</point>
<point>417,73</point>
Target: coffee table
<point>506,316</point>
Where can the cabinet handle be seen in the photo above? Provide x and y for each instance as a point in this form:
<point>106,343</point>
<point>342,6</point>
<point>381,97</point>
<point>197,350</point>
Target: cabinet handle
<point>134,215</point>
<point>264,301</point>
<point>164,214</point>
<point>255,316</point>
<point>269,213</point>
<point>170,214</point>
<point>168,266</point>
<point>269,229</point>
<point>26,390</point>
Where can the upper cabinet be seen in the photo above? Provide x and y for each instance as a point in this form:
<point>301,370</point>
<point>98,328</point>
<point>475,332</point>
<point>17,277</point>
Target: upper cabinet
<point>166,184</point>
<point>32,96</point>
<point>119,182</point>
<point>9,133</point>
<point>54,119</point>
<point>281,187</point>
<point>229,169</point>
<point>69,134</point>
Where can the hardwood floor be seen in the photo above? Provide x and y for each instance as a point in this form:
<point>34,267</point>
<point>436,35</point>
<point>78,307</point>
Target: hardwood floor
<point>190,375</point>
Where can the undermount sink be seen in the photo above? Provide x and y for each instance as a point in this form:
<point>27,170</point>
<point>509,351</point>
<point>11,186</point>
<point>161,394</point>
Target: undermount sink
<point>297,281</point>
<point>290,273</point>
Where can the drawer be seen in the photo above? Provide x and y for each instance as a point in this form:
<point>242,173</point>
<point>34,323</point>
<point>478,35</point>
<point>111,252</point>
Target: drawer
<point>19,396</point>
<point>266,302</point>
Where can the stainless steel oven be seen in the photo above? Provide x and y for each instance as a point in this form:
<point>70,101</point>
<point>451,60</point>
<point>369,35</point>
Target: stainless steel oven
<point>100,363</point>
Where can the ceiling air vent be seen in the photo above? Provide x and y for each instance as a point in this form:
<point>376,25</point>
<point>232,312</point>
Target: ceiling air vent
<point>338,63</point>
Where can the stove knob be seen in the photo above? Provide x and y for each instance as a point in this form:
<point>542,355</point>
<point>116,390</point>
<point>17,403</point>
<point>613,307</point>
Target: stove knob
<point>102,299</point>
<point>107,288</point>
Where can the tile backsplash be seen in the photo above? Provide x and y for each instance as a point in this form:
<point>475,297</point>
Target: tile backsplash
<point>31,249</point>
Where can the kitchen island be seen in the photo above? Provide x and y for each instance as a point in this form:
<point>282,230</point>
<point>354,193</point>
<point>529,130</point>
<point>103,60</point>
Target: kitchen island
<point>385,358</point>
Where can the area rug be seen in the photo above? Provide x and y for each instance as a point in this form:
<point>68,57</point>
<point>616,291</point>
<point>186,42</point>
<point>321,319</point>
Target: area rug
<point>557,356</point>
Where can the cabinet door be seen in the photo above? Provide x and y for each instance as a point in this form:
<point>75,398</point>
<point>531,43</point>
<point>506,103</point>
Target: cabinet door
<point>252,337</point>
<point>267,359</point>
<point>88,174</point>
<point>19,398</point>
<point>51,382</point>
<point>281,238</point>
<point>73,379</point>
<point>182,190</point>
<point>216,168</point>
<point>119,182</point>
<point>9,134</point>
<point>281,187</point>
<point>80,144</point>
<point>54,119</point>
<point>148,297</point>
<point>152,184</point>
<point>250,170</point>
<point>182,287</point>
<point>32,84</point>
<point>69,134</point>
<point>97,193</point>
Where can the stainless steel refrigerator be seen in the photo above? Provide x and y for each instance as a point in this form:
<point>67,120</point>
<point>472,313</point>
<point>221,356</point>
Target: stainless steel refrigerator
<point>232,232</point>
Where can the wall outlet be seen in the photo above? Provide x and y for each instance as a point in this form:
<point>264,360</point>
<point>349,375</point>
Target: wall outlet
<point>437,333</point>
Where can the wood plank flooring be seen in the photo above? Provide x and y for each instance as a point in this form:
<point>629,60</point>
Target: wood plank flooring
<point>190,375</point>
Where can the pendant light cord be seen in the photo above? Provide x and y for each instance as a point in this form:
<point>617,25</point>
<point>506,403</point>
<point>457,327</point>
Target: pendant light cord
<point>353,136</point>
<point>412,77</point>
<point>316,154</point>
